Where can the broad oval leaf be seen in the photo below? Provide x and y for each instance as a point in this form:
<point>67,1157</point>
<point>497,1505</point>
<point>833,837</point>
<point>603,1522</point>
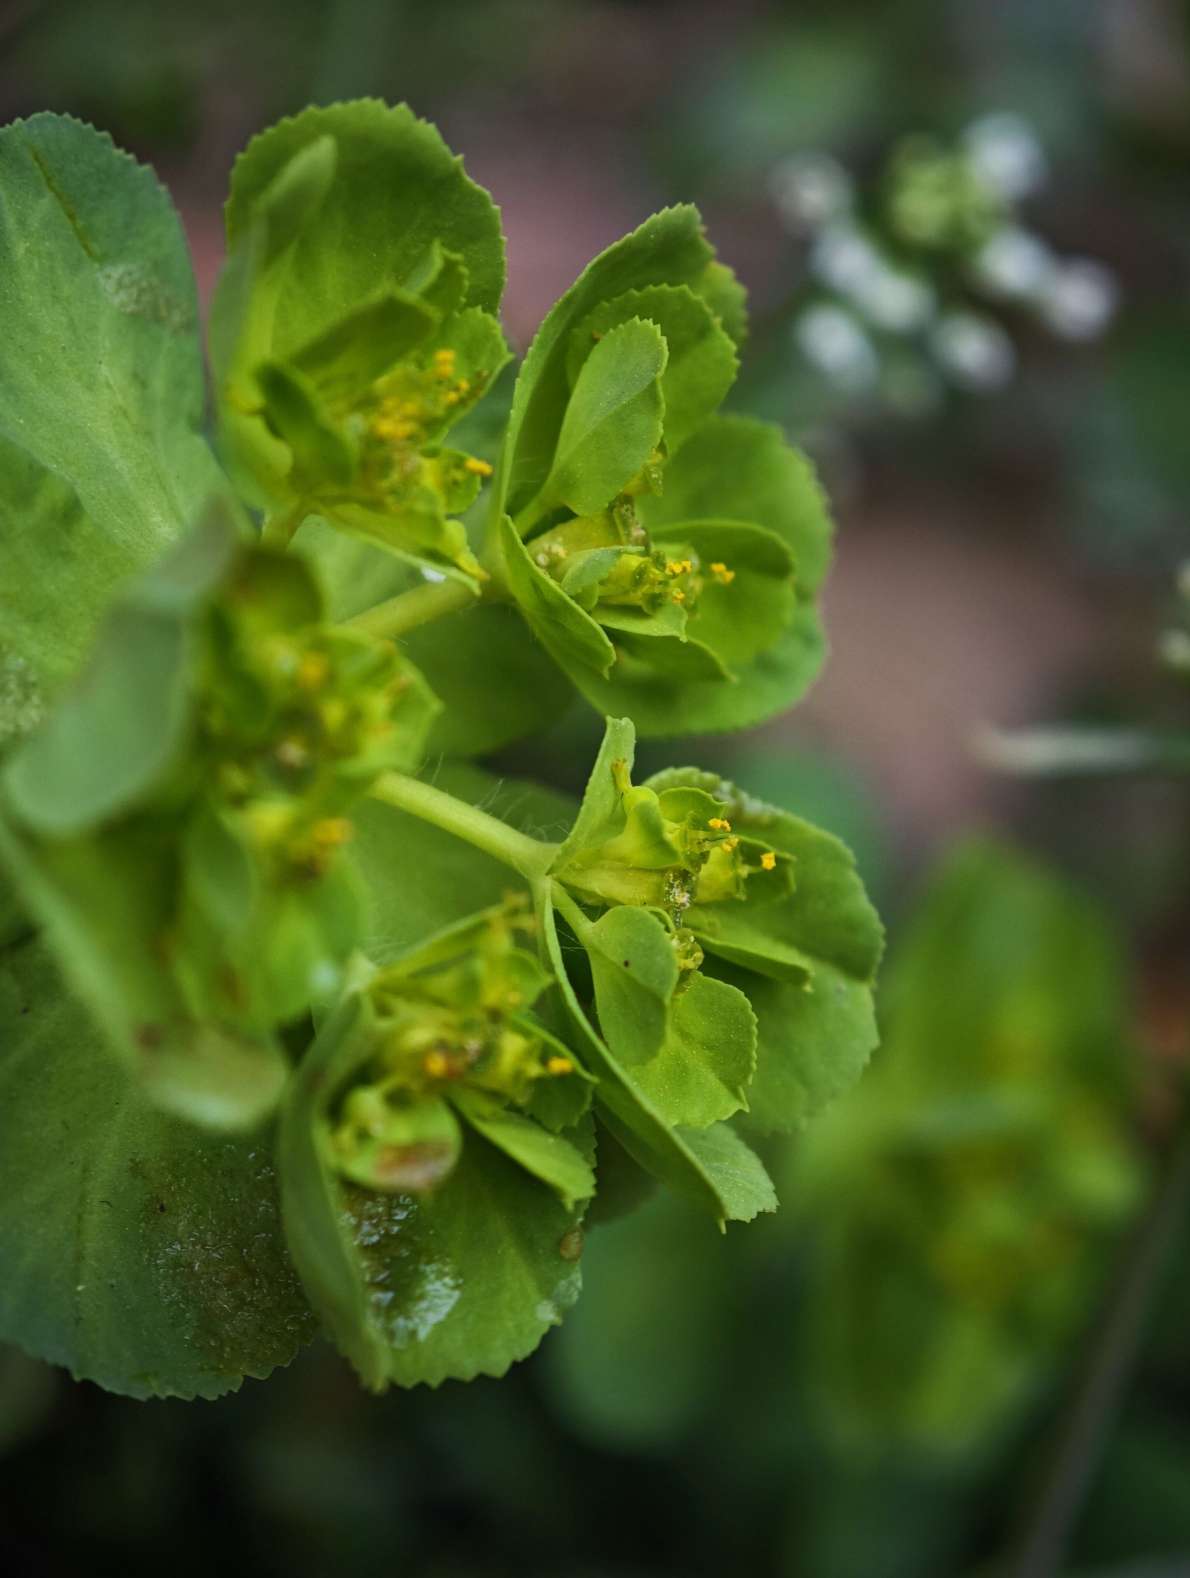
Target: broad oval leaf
<point>136,1250</point>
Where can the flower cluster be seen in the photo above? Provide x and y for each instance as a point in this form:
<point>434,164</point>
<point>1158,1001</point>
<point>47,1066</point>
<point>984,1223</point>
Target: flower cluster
<point>910,280</point>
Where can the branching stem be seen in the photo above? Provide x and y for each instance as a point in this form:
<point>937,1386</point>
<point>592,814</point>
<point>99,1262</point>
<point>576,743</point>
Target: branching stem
<point>528,856</point>
<point>396,616</point>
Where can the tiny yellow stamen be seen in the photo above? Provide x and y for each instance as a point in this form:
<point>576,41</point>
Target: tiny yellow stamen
<point>477,467</point>
<point>679,566</point>
<point>768,860</point>
<point>451,398</point>
<point>331,832</point>
<point>720,824</point>
<point>678,595</point>
<point>722,573</point>
<point>463,386</point>
<point>312,670</point>
<point>444,363</point>
<point>731,844</point>
<point>559,1065</point>
<point>436,1065</point>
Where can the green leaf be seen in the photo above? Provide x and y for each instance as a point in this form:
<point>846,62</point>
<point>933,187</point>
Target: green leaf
<point>458,1283</point>
<point>805,960</point>
<point>718,1173</point>
<point>701,365</point>
<point>702,1072</point>
<point>318,449</point>
<point>121,727</point>
<point>103,908</point>
<point>494,681</point>
<point>743,1186</point>
<point>599,815</point>
<point>814,1041</point>
<point>739,469</point>
<point>668,249</point>
<point>395,192</point>
<point>741,618</point>
<point>569,634</point>
<point>357,348</point>
<point>612,423</point>
<point>733,469</point>
<point>141,1253</point>
<point>558,1164</point>
<point>102,462</point>
<point>635,971</point>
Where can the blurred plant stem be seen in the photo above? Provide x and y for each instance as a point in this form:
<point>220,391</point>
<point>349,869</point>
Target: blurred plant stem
<point>1063,751</point>
<point>1082,1435</point>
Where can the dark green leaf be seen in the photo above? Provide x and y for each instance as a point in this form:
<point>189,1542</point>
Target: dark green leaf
<point>136,1250</point>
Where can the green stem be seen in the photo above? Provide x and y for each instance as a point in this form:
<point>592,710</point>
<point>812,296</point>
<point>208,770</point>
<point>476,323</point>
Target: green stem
<point>570,909</point>
<point>277,530</point>
<point>418,606</point>
<point>529,856</point>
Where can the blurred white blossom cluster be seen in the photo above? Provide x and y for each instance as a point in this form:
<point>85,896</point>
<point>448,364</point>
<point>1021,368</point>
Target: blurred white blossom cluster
<point>909,283</point>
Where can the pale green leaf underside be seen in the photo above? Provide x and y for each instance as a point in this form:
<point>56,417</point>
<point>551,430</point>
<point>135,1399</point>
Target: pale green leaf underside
<point>101,386</point>
<point>136,1250</point>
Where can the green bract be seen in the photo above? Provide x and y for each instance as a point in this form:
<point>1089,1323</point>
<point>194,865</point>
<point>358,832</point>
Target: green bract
<point>379,1039</point>
<point>175,824</point>
<point>353,327</point>
<point>667,557</point>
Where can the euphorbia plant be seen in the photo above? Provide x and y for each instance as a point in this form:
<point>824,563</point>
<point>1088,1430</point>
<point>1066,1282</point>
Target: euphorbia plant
<point>306,1021</point>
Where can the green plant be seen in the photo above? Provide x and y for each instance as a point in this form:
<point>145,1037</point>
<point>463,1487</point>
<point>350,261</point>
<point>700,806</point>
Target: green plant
<point>293,1037</point>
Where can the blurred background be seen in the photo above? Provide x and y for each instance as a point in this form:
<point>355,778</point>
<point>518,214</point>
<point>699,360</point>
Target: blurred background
<point>963,1347</point>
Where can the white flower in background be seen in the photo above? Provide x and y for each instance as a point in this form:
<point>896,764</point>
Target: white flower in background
<point>1014,264</point>
<point>832,339</point>
<point>974,351</point>
<point>1080,299</point>
<point>843,258</point>
<point>809,189</point>
<point>1006,154</point>
<point>894,300</point>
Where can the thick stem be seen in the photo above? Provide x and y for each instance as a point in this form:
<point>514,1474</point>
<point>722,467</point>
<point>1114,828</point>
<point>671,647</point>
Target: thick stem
<point>277,530</point>
<point>418,606</point>
<point>529,856</point>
